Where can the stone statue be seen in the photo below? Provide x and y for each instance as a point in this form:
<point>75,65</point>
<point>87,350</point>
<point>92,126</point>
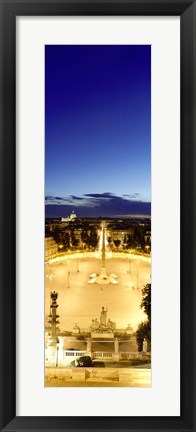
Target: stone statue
<point>103,317</point>
<point>111,324</point>
<point>145,344</point>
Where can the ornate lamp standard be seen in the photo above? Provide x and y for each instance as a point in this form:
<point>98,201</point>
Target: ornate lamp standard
<point>53,317</point>
<point>53,321</point>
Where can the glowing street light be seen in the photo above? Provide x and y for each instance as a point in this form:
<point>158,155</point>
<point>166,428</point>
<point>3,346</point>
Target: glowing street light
<point>57,353</point>
<point>77,263</point>
<point>148,252</point>
<point>60,247</point>
<point>50,276</point>
<point>147,247</point>
<point>138,261</point>
<point>129,266</point>
<point>68,273</point>
<point>68,270</point>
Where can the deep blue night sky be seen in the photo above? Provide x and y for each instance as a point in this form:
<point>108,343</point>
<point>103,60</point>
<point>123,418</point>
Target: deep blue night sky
<point>97,130</point>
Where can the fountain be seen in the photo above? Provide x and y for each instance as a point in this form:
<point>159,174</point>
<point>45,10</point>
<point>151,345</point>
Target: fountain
<point>102,328</point>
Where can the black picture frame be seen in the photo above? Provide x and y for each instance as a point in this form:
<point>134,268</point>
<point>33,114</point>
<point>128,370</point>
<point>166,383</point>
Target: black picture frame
<point>9,10</point>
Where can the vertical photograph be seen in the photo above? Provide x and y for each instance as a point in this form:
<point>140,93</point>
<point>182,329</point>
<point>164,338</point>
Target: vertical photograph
<point>97,216</point>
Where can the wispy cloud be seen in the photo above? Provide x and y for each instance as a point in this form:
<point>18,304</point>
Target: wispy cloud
<point>55,200</point>
<point>74,201</point>
<point>97,204</point>
<point>132,196</point>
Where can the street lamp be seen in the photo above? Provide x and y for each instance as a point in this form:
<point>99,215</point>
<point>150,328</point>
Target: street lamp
<point>60,248</point>
<point>50,276</point>
<point>68,273</point>
<point>129,266</point>
<point>147,247</point>
<point>83,244</point>
<point>57,353</point>
<point>138,261</point>
<point>148,252</point>
<point>77,262</point>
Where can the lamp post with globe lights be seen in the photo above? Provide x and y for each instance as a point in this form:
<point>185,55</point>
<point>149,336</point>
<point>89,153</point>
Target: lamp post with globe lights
<point>54,321</point>
<point>147,247</point>
<point>60,248</point>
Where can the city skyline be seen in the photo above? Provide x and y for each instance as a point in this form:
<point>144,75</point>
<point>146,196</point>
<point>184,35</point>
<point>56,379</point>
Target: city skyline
<point>98,130</point>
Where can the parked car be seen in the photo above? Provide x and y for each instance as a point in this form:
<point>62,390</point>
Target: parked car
<point>85,361</point>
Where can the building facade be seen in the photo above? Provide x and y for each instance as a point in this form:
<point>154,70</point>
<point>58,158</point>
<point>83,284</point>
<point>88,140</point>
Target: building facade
<point>51,248</point>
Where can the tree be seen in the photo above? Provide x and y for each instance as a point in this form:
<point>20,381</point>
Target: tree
<point>74,240</point>
<point>136,239</point>
<point>56,236</point>
<point>66,241</point>
<point>93,240</point>
<point>117,243</point>
<point>90,237</point>
<point>143,332</point>
<point>130,242</point>
<point>125,241</point>
<point>146,300</point>
<point>85,237</point>
<point>144,328</point>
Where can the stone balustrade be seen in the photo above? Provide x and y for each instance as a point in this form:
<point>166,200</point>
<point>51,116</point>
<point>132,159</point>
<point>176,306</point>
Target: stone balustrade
<point>135,377</point>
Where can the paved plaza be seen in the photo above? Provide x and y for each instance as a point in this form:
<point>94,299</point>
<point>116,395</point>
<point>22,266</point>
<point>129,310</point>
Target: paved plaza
<point>80,302</point>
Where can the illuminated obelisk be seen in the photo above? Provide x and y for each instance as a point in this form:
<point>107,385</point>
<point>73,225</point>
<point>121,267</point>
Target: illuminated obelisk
<point>102,277</point>
<point>103,274</point>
